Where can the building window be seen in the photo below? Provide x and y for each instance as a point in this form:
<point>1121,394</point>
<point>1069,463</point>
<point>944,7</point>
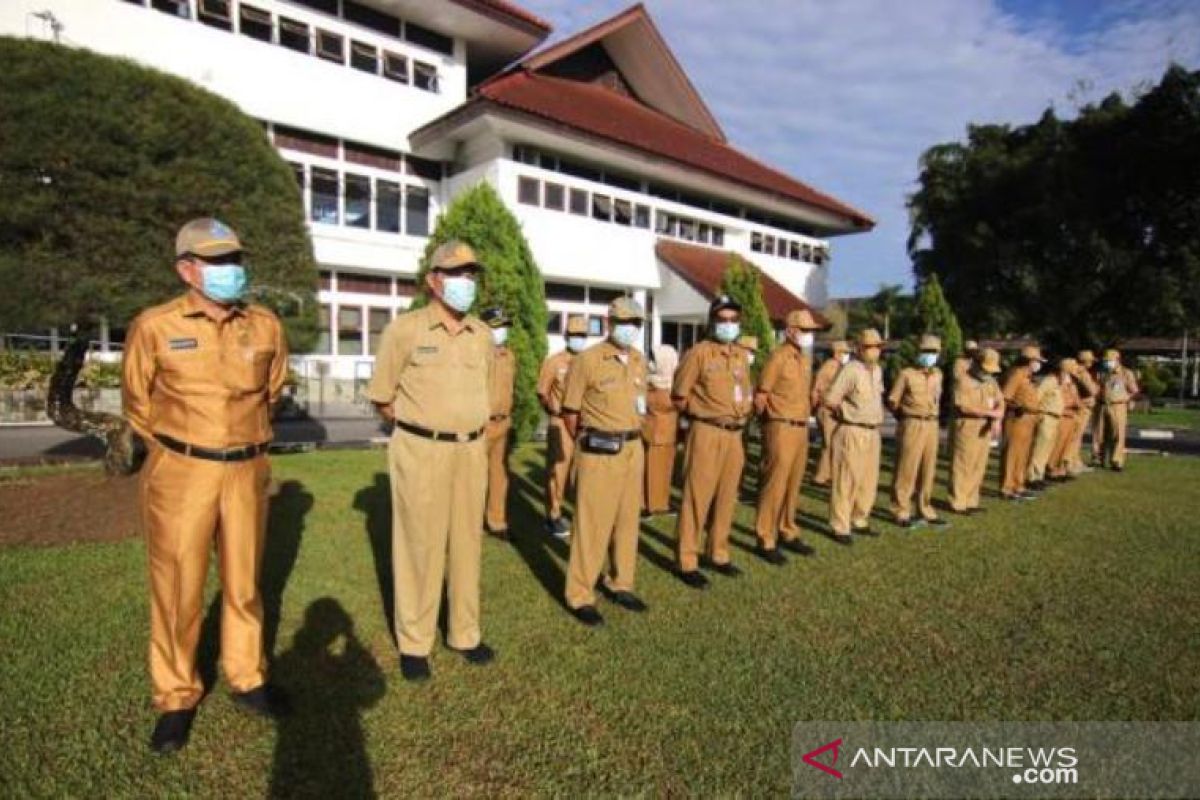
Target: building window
<point>641,216</point>
<point>293,35</point>
<point>255,23</point>
<point>622,212</point>
<point>595,325</point>
<point>718,236</point>
<point>566,293</point>
<point>794,251</point>
<point>370,18</point>
<point>601,207</point>
<point>554,322</point>
<point>349,319</point>
<point>427,38</point>
<point>327,6</point>
<point>425,76</point>
<point>330,46</point>
<point>298,172</point>
<point>406,287</point>
<point>324,345</point>
<point>548,162</point>
<point>662,223</point>
<point>687,230</point>
<point>395,67</point>
<point>176,8</point>
<point>306,142</point>
<point>325,280</point>
<point>579,202</point>
<point>377,320</point>
<point>556,196</point>
<point>324,196</point>
<point>702,233</point>
<point>215,13</point>
<point>387,206</point>
<point>756,242</point>
<point>424,168</point>
<point>769,245</point>
<point>603,297</point>
<point>364,284</point>
<point>416,211</point>
<point>528,191</point>
<point>526,155</point>
<point>378,157</point>
<point>358,201</point>
<point>364,57</point>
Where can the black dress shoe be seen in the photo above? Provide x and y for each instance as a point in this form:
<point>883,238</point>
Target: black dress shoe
<point>265,701</point>
<point>798,547</point>
<point>478,655</point>
<point>627,600</point>
<point>727,569</point>
<point>499,533</point>
<point>588,615</point>
<point>843,539</point>
<point>414,668</point>
<point>907,524</point>
<point>171,731</point>
<point>772,556</point>
<point>694,579</point>
<point>865,532</point>
<point>1118,467</point>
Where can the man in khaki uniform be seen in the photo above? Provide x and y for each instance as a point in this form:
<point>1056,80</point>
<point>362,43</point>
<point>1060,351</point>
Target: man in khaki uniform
<point>660,431</point>
<point>970,355</point>
<point>560,448</point>
<point>201,377</point>
<point>432,382</point>
<point>821,383</point>
<point>1059,468</point>
<point>504,374</point>
<point>1022,409</point>
<point>1118,386</point>
<point>712,387</point>
<point>856,400</point>
<point>979,410</point>
<point>782,401</point>
<point>603,405</point>
<point>915,399</point>
<point>1051,404</point>
<point>1088,389</point>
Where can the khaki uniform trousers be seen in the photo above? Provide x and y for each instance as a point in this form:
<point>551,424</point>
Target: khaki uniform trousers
<point>187,504</point>
<point>560,449</point>
<point>968,465</point>
<point>786,457</point>
<point>1018,446</point>
<point>825,462</point>
<point>1083,421</point>
<point>1060,455</point>
<point>712,462</point>
<point>608,490</point>
<point>916,466</point>
<point>497,486</point>
<point>1043,445</point>
<point>1113,420</point>
<point>660,467</point>
<point>437,531</point>
<point>855,470</point>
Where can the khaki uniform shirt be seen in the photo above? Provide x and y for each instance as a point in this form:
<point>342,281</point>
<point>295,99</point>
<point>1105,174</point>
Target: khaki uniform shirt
<point>917,393</point>
<point>824,379</point>
<point>1085,382</point>
<point>504,373</point>
<point>1118,386</point>
<point>1050,397</point>
<point>974,397</point>
<point>606,386</point>
<point>553,380</point>
<point>962,365</point>
<point>431,377</point>
<point>714,382</point>
<point>859,390</point>
<point>204,382</point>
<point>1070,396</point>
<point>787,381</point>
<point>661,420</point>
<point>1019,391</point>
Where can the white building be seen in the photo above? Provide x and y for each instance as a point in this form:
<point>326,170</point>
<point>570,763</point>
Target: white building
<point>620,175</point>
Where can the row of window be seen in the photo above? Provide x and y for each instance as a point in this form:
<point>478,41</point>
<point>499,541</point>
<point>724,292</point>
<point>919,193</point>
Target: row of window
<point>357,332</point>
<point>258,23</point>
<point>787,248</point>
<point>383,285</point>
<point>360,201</point>
<point>319,144</point>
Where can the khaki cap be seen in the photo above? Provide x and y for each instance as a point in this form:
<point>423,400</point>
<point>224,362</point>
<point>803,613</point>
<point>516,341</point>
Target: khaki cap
<point>971,346</point>
<point>452,255</point>
<point>803,319</point>
<point>840,346</point>
<point>748,342</point>
<point>989,361</point>
<point>1068,365</point>
<point>930,343</point>
<point>1086,357</point>
<point>206,237</point>
<point>577,325</point>
<point>1032,352</point>
<point>869,338</point>
<point>625,308</point>
<point>1112,355</point>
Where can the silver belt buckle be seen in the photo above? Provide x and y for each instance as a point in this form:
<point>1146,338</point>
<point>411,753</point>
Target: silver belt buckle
<point>462,437</point>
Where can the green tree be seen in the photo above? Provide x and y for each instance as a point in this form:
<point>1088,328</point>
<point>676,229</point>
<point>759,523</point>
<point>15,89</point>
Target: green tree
<point>102,161</point>
<point>510,280</point>
<point>741,281</point>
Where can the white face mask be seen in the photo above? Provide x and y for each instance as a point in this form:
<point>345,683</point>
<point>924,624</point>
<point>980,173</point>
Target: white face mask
<point>844,358</point>
<point>750,358</point>
<point>804,340</point>
<point>499,336</point>
<point>1035,367</point>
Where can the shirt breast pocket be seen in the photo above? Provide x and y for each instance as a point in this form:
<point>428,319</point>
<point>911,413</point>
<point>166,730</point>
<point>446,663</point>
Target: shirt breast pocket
<point>248,369</point>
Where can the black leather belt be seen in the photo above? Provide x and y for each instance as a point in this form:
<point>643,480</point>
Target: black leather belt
<point>439,436</point>
<point>796,423</point>
<point>858,425</point>
<point>628,436</point>
<point>728,426</point>
<point>919,419</point>
<point>210,454</point>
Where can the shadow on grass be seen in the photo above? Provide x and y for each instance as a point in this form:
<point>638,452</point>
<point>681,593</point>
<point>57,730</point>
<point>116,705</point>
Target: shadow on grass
<point>321,750</point>
<point>375,503</point>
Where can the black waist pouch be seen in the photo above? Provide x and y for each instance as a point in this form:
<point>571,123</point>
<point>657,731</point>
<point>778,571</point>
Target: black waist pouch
<point>607,444</point>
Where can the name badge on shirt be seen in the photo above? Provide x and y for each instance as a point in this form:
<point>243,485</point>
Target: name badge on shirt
<point>182,344</point>
<point>737,393</point>
<point>640,405</point>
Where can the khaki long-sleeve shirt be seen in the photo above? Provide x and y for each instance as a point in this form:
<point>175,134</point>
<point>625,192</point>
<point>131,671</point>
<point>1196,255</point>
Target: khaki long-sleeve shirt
<point>504,375</point>
<point>552,380</point>
<point>606,386</point>
<point>916,393</point>
<point>786,384</point>
<point>857,394</point>
<point>713,382</point>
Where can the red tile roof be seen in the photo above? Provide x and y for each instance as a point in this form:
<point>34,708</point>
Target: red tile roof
<point>703,268</point>
<point>510,10</point>
<point>601,112</point>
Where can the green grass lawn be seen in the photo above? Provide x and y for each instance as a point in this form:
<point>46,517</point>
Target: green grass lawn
<point>1187,419</point>
<point>1083,605</point>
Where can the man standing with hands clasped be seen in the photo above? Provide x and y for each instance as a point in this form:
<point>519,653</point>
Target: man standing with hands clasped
<point>432,381</point>
<point>915,399</point>
<point>504,374</point>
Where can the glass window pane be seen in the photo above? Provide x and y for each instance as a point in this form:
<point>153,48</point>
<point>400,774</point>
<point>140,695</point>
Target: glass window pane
<point>255,22</point>
<point>623,212</point>
<point>756,242</point>
<point>330,46</point>
<point>718,236</point>
<point>601,207</point>
<point>377,320</point>
<point>395,67</point>
<point>358,201</point>
<point>554,322</point>
<point>579,201</point>
<point>555,196</point>
<point>528,191</point>
<point>324,196</point>
<point>349,320</point>
<point>601,296</point>
<point>324,345</point>
<point>293,35</point>
<point>416,211</point>
<point>387,206</point>
<point>565,292</point>
<point>364,57</point>
<point>595,326</point>
<point>641,216</point>
<point>425,76</point>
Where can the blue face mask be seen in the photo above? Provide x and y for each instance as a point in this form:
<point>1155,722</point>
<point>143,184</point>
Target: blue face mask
<point>1110,366</point>
<point>726,332</point>
<point>224,283</point>
<point>576,343</point>
<point>458,293</point>
<point>625,334</point>
<point>927,360</point>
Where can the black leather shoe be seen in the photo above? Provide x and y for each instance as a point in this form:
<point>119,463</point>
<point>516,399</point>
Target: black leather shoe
<point>843,539</point>
<point>478,655</point>
<point>414,668</point>
<point>865,532</point>
<point>727,569</point>
<point>798,547</point>
<point>171,731</point>
<point>772,556</point>
<point>265,701</point>
<point>907,524</point>
<point>1118,467</point>
<point>627,600</point>
<point>588,615</point>
<point>694,579</point>
<point>498,533</point>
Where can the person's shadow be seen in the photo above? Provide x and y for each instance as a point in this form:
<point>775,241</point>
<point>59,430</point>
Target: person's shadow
<point>375,502</point>
<point>321,750</point>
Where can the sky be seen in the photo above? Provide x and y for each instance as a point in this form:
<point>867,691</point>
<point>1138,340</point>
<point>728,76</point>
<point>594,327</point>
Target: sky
<point>846,94</point>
